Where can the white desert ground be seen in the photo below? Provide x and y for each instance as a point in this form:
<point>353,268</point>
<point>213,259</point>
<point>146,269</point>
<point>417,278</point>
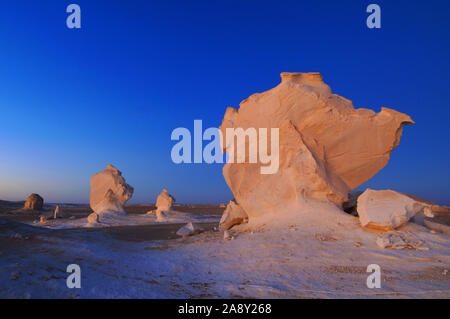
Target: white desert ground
<point>324,256</point>
<point>300,231</point>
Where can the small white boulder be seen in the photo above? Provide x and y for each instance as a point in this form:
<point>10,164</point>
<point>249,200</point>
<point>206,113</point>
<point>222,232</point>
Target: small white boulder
<point>227,235</point>
<point>233,215</point>
<point>189,230</point>
<point>387,209</point>
<point>93,218</point>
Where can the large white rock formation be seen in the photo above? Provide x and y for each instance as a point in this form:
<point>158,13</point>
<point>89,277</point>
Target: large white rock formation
<point>387,209</point>
<point>326,146</point>
<point>109,192</point>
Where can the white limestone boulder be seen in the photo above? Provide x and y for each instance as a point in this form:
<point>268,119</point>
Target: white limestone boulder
<point>93,219</point>
<point>189,230</point>
<point>109,192</point>
<point>387,209</point>
<point>233,215</point>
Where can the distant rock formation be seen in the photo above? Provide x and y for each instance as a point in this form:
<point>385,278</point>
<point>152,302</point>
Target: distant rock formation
<point>34,202</point>
<point>109,192</point>
<point>58,213</point>
<point>387,209</point>
<point>43,219</point>
<point>164,204</point>
<point>164,201</point>
<point>326,146</point>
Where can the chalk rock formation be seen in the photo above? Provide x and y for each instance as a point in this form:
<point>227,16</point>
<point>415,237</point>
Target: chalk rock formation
<point>326,146</point>
<point>387,209</point>
<point>164,204</point>
<point>233,215</point>
<point>189,230</point>
<point>34,202</point>
<point>109,192</point>
<point>58,213</point>
<point>93,218</point>
<point>164,201</point>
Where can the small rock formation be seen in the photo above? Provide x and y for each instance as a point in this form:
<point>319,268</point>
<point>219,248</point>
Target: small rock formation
<point>58,213</point>
<point>326,147</point>
<point>400,240</point>
<point>109,192</point>
<point>227,235</point>
<point>437,218</point>
<point>164,201</point>
<point>164,204</point>
<point>428,212</point>
<point>93,218</point>
<point>189,230</point>
<point>387,209</point>
<point>43,219</point>
<point>233,215</point>
<point>34,202</point>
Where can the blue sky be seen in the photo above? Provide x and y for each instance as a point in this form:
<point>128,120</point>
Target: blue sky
<point>113,91</point>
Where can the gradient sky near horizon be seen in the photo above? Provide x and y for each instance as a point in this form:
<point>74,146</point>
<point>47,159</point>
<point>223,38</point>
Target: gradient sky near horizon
<point>72,101</point>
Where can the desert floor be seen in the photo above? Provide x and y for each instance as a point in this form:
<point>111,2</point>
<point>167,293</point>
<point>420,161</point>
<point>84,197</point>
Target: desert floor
<point>304,258</point>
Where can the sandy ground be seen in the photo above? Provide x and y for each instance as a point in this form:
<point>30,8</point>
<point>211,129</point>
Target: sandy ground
<point>303,257</point>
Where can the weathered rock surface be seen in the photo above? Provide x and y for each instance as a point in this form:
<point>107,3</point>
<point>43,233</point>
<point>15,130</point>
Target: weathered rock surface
<point>34,202</point>
<point>326,146</point>
<point>233,215</point>
<point>189,230</point>
<point>400,240</point>
<point>109,192</point>
<point>387,209</point>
